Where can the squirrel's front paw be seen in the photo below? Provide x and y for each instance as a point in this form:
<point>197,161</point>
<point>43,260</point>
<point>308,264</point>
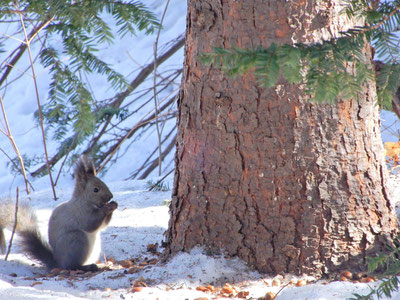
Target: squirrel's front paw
<point>111,206</point>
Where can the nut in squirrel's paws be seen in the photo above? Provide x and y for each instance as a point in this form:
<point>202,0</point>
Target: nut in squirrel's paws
<point>111,205</point>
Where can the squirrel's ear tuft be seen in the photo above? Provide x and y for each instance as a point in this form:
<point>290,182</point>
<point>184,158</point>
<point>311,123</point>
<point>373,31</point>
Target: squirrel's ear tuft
<point>89,165</point>
<point>83,169</point>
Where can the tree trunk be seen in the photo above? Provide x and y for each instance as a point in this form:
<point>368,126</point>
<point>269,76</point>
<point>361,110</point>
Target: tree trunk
<point>264,174</point>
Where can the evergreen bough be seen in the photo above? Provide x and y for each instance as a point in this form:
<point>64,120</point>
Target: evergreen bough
<point>333,68</point>
<point>73,34</point>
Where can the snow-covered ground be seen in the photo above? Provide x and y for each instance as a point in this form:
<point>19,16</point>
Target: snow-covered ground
<point>141,218</point>
<point>134,272</point>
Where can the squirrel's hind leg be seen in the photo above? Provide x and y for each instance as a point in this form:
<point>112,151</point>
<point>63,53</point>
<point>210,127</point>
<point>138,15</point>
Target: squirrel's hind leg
<point>72,250</point>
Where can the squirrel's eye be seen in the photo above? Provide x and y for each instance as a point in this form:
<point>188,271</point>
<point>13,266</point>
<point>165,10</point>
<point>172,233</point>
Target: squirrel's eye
<point>95,190</point>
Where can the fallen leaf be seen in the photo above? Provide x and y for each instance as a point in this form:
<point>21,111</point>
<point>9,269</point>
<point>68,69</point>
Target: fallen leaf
<point>242,294</point>
<point>301,282</point>
<point>392,149</point>
<point>210,288</point>
<point>276,282</point>
<point>347,274</point>
<point>56,271</point>
<point>36,283</point>
<point>227,289</point>
<point>270,296</point>
<point>126,263</point>
<point>139,283</point>
<point>136,289</point>
<point>119,275</point>
<point>153,261</point>
<point>367,279</point>
<point>202,289</point>
<point>152,247</point>
<point>133,270</point>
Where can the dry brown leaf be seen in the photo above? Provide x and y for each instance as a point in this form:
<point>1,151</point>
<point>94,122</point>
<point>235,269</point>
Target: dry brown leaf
<point>126,263</point>
<point>228,289</point>
<point>202,289</point>
<point>358,276</point>
<point>153,261</point>
<point>276,282</point>
<point>139,283</point>
<point>152,247</point>
<point>210,288</point>
<point>270,296</point>
<point>301,282</point>
<point>56,271</point>
<point>367,279</point>
<point>119,275</point>
<point>392,149</point>
<point>347,274</point>
<point>136,289</point>
<point>133,270</point>
<point>243,294</point>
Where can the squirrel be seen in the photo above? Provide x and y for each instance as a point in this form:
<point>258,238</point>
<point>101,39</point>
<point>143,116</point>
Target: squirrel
<point>74,226</point>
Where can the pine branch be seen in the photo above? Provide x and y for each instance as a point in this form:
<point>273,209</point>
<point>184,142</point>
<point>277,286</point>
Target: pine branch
<point>71,143</point>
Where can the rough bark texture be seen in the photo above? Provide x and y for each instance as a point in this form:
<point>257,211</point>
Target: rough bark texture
<point>287,185</point>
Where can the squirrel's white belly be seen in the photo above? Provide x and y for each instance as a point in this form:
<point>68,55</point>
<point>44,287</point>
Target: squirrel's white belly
<point>95,241</point>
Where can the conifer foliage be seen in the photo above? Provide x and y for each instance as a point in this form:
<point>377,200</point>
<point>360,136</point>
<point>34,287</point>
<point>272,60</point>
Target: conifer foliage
<point>68,37</point>
<point>323,67</point>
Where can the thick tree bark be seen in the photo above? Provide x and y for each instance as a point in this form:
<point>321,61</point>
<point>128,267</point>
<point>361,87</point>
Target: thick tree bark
<point>264,174</point>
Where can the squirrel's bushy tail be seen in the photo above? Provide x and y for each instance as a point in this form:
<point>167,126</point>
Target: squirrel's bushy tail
<point>34,246</point>
<point>31,241</point>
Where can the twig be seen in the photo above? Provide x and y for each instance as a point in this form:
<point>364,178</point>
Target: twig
<point>20,51</point>
<point>155,89</point>
<point>153,165</point>
<point>15,225</point>
<point>16,167</point>
<point>117,145</point>
<point>145,163</point>
<point>28,41</point>
<point>14,145</point>
<point>161,180</point>
<point>120,97</point>
<point>110,153</point>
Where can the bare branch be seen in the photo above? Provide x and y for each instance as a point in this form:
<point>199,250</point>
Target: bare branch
<point>20,51</point>
<point>15,225</point>
<point>116,103</point>
<point>153,165</point>
<point>14,144</point>
<point>28,41</point>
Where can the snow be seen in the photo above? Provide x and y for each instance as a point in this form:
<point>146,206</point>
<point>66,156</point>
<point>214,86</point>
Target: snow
<point>142,216</point>
<point>140,220</point>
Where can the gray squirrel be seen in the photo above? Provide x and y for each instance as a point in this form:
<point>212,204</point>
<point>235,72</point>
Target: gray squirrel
<point>74,226</point>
